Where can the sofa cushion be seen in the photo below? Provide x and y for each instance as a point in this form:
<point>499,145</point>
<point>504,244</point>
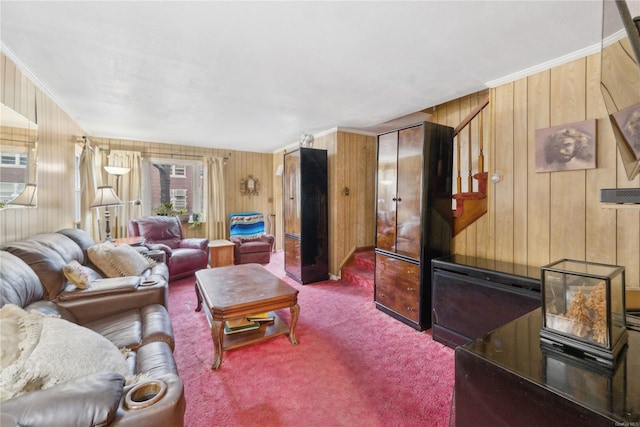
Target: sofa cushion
<point>62,351</point>
<point>67,248</point>
<point>254,246</point>
<point>46,262</point>
<point>19,284</point>
<point>121,260</point>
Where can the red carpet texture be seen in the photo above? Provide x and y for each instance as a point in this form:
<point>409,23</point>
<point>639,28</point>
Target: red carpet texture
<point>353,366</point>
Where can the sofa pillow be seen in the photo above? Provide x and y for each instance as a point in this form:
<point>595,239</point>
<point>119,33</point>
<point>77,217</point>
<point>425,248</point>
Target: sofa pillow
<point>76,274</point>
<point>116,261</point>
<point>63,351</point>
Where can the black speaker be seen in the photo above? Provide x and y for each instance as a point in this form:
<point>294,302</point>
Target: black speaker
<point>620,195</point>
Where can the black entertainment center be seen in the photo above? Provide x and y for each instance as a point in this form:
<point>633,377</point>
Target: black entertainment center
<point>473,296</point>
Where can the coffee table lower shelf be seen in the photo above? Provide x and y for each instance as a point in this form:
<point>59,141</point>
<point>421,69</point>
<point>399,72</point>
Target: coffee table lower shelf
<point>264,332</point>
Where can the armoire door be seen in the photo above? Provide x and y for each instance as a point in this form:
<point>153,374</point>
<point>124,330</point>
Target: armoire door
<point>291,193</point>
<point>408,198</point>
<point>386,191</point>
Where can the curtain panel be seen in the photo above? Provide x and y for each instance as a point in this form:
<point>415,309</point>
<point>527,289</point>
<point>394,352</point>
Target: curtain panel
<point>214,192</point>
<point>90,180</point>
<point>128,187</point>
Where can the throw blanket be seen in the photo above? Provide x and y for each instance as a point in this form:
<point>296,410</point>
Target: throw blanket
<point>39,352</point>
<point>246,225</point>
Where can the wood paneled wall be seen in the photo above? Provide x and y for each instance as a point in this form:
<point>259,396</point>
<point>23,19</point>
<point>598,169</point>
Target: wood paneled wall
<point>352,172</point>
<point>56,137</point>
<point>536,218</point>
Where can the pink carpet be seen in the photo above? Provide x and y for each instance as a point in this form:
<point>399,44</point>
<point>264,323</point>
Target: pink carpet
<point>353,366</point>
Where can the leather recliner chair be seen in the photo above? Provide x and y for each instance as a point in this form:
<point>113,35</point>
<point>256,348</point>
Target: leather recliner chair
<point>184,256</point>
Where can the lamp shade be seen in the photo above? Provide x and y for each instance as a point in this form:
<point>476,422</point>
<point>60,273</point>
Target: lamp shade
<point>28,197</point>
<point>105,196</point>
<point>116,170</point>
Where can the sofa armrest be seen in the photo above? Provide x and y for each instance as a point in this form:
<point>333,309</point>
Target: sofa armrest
<point>195,243</point>
<point>91,400</point>
<point>100,287</point>
<point>89,309</point>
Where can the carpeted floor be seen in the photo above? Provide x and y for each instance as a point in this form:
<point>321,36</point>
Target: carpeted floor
<point>353,366</point>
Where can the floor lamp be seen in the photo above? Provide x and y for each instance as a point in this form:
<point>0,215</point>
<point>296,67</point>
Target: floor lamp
<point>105,196</point>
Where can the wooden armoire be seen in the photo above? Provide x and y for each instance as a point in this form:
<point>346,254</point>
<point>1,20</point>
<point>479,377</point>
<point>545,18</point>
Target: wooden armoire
<point>306,215</point>
<point>414,218</point>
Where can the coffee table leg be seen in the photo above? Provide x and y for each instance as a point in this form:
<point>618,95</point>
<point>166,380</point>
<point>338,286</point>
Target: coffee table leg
<point>198,297</point>
<point>217,334</point>
<point>295,312</point>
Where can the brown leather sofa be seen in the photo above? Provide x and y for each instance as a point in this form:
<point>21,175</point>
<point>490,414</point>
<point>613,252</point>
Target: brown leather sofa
<point>184,256</point>
<point>135,318</point>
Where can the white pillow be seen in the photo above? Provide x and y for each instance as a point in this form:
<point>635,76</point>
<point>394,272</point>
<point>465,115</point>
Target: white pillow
<point>76,274</point>
<point>64,351</point>
<point>116,261</point>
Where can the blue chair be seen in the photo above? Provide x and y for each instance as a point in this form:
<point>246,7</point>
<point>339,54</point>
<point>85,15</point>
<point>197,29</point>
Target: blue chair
<point>251,243</point>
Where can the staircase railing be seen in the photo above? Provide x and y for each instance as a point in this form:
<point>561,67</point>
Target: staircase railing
<point>470,205</point>
<point>465,124</point>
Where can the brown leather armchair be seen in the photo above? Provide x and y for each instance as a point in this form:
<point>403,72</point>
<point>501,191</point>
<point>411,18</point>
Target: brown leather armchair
<point>184,256</point>
<point>251,243</point>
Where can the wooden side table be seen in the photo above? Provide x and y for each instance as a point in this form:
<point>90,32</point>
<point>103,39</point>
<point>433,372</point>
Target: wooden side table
<point>220,253</point>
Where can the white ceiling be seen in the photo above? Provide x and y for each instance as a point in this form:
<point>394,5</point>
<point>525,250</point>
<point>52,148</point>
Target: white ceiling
<point>255,75</point>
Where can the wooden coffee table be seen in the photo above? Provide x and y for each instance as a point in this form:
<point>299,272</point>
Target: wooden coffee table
<point>237,291</point>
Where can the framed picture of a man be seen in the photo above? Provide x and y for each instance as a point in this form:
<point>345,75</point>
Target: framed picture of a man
<point>566,147</point>
<point>628,122</point>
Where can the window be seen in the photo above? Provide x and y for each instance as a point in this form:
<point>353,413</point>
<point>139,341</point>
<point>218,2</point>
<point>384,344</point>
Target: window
<point>14,160</point>
<point>178,182</point>
<point>178,171</point>
<point>13,175</point>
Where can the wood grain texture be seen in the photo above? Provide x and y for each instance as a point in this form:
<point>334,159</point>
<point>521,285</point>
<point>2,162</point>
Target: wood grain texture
<point>539,206</point>
<point>503,202</point>
<point>568,189</point>
<point>538,218</point>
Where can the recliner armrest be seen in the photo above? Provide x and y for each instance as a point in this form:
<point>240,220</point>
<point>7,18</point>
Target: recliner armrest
<point>160,247</point>
<point>90,400</point>
<point>195,243</point>
<point>269,239</point>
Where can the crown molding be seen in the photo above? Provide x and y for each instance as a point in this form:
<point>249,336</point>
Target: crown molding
<point>578,54</point>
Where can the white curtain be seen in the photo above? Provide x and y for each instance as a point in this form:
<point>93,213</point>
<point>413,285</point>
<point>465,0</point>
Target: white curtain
<point>128,187</point>
<point>214,192</point>
<point>90,180</point>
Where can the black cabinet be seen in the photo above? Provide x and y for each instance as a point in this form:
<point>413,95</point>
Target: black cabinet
<point>473,296</point>
<point>506,378</point>
<point>306,215</point>
<point>414,218</point>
